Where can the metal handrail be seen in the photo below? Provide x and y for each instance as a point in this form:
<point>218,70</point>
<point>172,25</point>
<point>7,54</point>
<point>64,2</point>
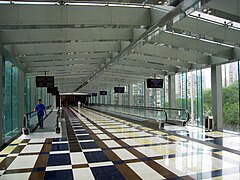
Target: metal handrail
<point>145,108</point>
<point>30,115</point>
<point>156,109</point>
<point>57,117</point>
<point>179,109</point>
<point>57,129</point>
<point>25,119</point>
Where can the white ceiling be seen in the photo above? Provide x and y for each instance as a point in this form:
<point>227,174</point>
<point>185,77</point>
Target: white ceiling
<point>74,42</point>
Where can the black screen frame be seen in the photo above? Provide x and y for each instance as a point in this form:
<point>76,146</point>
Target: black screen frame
<point>52,90</point>
<point>45,81</point>
<point>103,93</point>
<point>119,89</point>
<point>154,83</point>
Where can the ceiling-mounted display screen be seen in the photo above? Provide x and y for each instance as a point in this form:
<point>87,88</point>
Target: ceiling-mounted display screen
<point>103,93</point>
<point>45,81</point>
<point>119,89</point>
<point>55,93</point>
<point>154,83</point>
<point>52,90</point>
<point>94,94</point>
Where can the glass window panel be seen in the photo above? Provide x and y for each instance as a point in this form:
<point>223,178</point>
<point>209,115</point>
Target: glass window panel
<point>138,94</point>
<point>166,91</point>
<point>125,96</point>
<point>178,89</point>
<point>14,97</point>
<point>7,101</point>
<point>10,100</point>
<point>207,92</point>
<point>230,92</point>
<point>28,95</point>
<point>192,97</point>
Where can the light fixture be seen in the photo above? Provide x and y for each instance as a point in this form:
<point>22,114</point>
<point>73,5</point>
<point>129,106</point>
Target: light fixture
<point>205,10</point>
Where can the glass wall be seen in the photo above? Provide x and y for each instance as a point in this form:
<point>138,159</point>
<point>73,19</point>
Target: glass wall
<point>138,94</point>
<point>14,84</point>
<point>28,96</point>
<point>199,99</point>
<point>32,94</point>
<point>181,90</point>
<point>153,97</point>
<point>178,89</point>
<point>11,101</point>
<point>156,97</point>
<point>103,99</point>
<point>192,96</point>
<point>166,104</point>
<point>125,99</point>
<point>206,92</point>
<point>115,98</point>
<point>94,99</point>
<point>230,92</point>
<point>109,96</point>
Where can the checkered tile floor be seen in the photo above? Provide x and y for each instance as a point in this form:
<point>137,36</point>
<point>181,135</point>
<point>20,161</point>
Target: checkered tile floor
<point>103,147</point>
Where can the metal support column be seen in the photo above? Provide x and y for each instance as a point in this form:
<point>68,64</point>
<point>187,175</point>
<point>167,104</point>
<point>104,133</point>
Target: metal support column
<point>216,82</point>
<point>146,94</point>
<point>120,99</point>
<point>130,94</point>
<point>21,97</point>
<point>171,91</point>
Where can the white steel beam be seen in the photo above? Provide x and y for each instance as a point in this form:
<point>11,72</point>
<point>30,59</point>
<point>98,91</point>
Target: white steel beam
<point>63,68</point>
<point>147,65</point>
<point>65,62</point>
<point>191,43</point>
<point>64,34</point>
<point>12,14</point>
<point>46,57</point>
<point>216,30</point>
<point>51,48</point>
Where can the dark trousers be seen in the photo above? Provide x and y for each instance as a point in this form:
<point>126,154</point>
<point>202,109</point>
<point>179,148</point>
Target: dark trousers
<point>40,121</point>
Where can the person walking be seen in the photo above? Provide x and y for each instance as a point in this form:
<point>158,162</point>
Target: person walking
<point>40,109</point>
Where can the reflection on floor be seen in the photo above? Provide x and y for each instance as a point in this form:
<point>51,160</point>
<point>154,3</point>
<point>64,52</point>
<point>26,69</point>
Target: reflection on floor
<point>227,140</point>
<point>104,147</point>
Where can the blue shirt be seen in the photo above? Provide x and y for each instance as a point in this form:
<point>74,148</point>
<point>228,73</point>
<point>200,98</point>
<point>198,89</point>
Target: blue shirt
<point>40,109</point>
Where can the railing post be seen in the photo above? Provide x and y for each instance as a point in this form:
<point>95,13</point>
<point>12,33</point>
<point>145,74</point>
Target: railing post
<point>57,126</point>
<point>25,130</point>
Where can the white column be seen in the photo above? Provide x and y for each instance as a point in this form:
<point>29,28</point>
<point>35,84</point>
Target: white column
<point>21,97</point>
<point>146,95</point>
<point>33,93</point>
<point>217,102</point>
<point>192,96</point>
<point>99,98</point>
<point>171,91</point>
<point>130,94</point>
<point>120,97</point>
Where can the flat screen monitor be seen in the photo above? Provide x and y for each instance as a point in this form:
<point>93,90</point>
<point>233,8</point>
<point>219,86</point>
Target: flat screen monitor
<point>94,94</point>
<point>44,81</point>
<point>103,93</point>
<point>52,90</point>
<point>55,93</point>
<point>154,83</point>
<point>119,89</point>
